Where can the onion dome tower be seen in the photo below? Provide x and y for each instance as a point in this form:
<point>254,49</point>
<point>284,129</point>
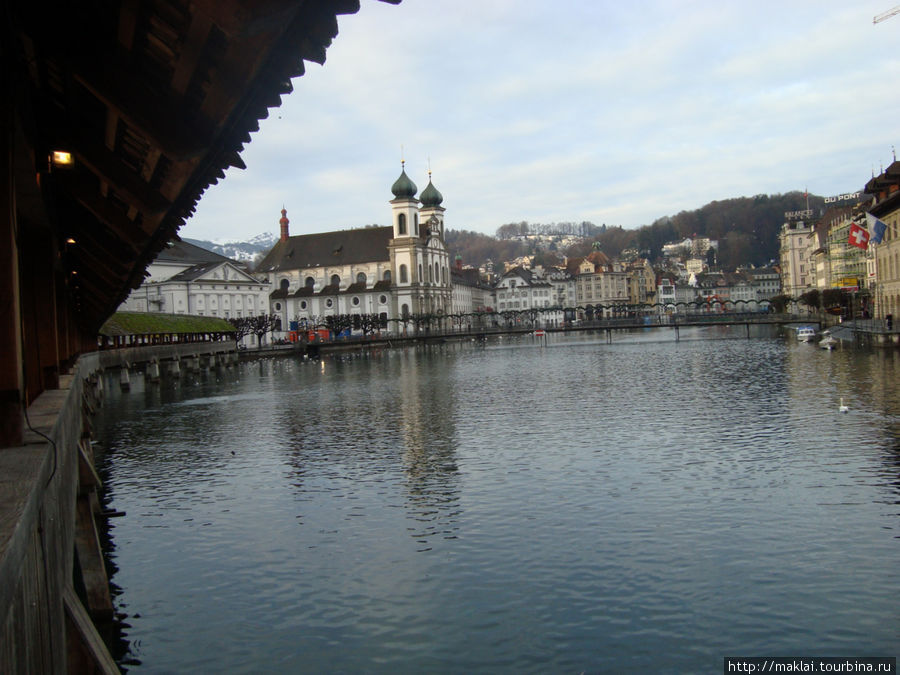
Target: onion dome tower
<point>405,206</point>
<point>403,187</point>
<point>432,211</point>
<point>430,195</point>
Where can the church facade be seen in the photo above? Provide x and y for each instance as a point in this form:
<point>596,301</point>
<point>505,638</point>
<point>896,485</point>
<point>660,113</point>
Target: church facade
<point>394,273</point>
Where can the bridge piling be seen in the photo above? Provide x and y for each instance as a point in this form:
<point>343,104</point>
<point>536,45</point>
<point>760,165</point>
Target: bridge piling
<point>124,378</point>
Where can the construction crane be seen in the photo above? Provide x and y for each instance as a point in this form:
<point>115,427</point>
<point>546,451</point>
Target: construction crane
<point>884,16</point>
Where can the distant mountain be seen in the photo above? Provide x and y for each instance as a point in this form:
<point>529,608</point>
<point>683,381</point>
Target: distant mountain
<point>238,250</point>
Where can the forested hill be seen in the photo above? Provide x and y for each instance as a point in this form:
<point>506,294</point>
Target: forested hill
<point>745,227</point>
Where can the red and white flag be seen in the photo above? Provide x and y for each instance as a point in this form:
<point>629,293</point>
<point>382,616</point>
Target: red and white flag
<point>859,236</point>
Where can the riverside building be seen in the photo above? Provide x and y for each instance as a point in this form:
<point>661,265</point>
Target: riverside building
<point>391,272</point>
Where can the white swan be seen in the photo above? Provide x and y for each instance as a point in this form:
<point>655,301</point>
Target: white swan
<point>843,408</point>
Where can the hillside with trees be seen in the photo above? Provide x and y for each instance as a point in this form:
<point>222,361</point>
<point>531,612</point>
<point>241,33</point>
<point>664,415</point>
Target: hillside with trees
<point>746,228</point>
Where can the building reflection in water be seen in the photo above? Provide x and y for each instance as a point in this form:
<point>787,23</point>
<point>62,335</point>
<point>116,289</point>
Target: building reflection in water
<point>385,418</point>
<point>429,435</point>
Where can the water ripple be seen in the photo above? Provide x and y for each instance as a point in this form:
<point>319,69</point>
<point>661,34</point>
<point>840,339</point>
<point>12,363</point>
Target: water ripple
<point>587,506</point>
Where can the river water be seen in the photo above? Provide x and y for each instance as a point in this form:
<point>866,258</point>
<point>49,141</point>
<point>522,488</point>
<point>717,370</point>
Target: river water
<point>574,506</point>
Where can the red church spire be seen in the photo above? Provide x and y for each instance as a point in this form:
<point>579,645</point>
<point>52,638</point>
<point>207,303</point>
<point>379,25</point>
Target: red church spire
<point>284,224</point>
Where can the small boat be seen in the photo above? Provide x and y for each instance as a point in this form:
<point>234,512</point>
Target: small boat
<point>806,334</point>
<point>828,342</point>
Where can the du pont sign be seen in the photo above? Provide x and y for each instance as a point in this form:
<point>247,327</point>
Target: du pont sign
<point>854,196</point>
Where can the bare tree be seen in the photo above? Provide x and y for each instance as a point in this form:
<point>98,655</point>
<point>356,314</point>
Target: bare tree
<point>259,326</point>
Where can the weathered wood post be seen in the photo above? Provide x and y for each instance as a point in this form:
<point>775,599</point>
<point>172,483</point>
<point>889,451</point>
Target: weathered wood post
<point>124,377</point>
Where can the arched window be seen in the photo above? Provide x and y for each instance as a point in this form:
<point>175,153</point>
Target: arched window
<point>416,223</point>
<point>335,280</point>
<point>401,223</point>
<point>437,273</point>
<point>405,311</point>
<point>387,276</point>
<point>310,282</point>
<point>403,275</point>
<point>420,273</point>
<point>284,284</point>
<point>361,278</point>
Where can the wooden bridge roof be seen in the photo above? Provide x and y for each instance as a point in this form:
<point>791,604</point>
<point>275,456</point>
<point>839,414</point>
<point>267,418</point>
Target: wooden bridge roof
<point>154,99</point>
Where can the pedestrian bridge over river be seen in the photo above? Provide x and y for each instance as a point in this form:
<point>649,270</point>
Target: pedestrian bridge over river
<point>864,332</point>
<point>509,325</point>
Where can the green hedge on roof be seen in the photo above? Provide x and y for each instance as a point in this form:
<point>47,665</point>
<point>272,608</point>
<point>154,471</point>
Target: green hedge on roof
<point>139,323</point>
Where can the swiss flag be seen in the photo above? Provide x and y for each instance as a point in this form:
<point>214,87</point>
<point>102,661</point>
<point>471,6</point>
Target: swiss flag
<point>859,236</point>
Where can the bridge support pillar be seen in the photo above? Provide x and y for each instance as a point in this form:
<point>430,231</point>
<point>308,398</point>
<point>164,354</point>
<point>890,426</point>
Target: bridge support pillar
<point>175,368</point>
<point>152,373</point>
<point>124,378</point>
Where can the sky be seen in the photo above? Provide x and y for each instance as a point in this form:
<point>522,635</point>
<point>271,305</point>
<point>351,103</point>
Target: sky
<point>612,112</point>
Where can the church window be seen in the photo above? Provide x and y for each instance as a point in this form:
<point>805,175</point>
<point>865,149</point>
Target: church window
<point>310,282</point>
<point>355,301</point>
<point>382,299</point>
<point>303,304</point>
<point>403,274</point>
<point>335,280</point>
<point>329,302</point>
<point>420,273</point>
<point>387,275</point>
<point>416,223</point>
<point>401,223</point>
<point>361,278</point>
<point>284,284</point>
<point>437,274</point>
<point>405,311</point>
<point>277,306</point>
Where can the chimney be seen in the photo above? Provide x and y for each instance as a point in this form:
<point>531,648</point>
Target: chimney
<point>284,225</point>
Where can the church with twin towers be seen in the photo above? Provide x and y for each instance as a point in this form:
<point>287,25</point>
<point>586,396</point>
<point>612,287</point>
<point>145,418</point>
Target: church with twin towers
<point>392,272</point>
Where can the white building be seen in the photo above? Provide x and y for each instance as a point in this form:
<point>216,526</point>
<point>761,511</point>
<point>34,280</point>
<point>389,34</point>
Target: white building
<point>797,245</point>
<point>390,272</point>
<point>187,279</point>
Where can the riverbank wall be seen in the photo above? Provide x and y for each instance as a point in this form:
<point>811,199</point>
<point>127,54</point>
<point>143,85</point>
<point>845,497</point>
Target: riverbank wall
<point>53,585</point>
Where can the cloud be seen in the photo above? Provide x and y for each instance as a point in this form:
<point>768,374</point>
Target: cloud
<point>611,112</point>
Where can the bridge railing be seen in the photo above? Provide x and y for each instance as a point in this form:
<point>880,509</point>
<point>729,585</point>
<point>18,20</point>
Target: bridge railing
<point>500,325</point>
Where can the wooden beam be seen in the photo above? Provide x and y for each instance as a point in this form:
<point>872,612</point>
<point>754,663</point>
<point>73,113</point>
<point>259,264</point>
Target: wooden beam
<point>162,119</point>
<point>127,23</point>
<point>86,651</point>
<point>191,51</point>
<point>110,169</point>
<point>84,193</point>
<point>11,380</point>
